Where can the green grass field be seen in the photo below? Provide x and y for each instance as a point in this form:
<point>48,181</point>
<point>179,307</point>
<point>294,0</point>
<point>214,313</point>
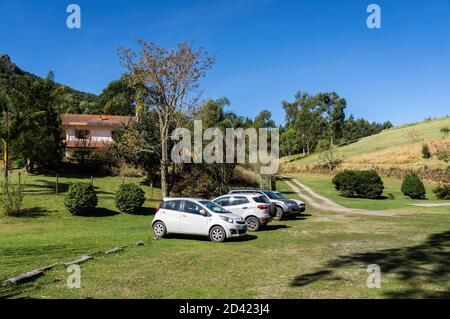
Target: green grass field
<point>323,185</point>
<point>320,255</point>
<point>46,233</point>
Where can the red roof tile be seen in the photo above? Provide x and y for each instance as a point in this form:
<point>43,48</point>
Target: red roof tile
<point>94,120</point>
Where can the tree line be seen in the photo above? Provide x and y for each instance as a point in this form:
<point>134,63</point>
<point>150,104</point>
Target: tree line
<point>318,122</point>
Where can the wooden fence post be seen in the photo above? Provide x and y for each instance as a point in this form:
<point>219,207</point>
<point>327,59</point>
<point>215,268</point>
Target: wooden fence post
<point>151,191</point>
<point>57,181</point>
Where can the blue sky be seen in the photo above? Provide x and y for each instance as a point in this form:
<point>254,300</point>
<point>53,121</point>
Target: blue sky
<point>266,50</point>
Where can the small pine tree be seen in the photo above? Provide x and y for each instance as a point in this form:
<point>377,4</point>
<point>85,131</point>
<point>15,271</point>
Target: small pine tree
<point>413,187</point>
<point>426,151</point>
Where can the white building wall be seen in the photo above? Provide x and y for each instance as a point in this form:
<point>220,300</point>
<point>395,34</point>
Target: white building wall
<point>99,135</point>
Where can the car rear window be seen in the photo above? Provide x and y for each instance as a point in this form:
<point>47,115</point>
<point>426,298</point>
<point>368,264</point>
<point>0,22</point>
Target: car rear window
<point>171,205</point>
<point>261,199</point>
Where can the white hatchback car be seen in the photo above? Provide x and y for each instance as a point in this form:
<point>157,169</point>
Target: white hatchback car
<point>197,217</point>
<point>253,208</point>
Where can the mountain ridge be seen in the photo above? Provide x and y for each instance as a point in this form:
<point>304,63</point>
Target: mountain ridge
<point>10,75</point>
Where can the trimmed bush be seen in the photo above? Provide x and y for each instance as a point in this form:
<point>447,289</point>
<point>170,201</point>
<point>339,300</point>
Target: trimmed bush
<point>442,191</point>
<point>130,198</point>
<point>20,163</point>
<point>426,151</point>
<point>365,184</point>
<point>80,199</point>
<point>413,187</point>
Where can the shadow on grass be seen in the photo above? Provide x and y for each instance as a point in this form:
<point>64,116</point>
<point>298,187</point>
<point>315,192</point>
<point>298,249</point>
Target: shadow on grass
<point>49,187</point>
<point>99,212</point>
<point>379,198</point>
<point>32,213</point>
<point>273,227</point>
<point>206,238</point>
<point>145,211</point>
<point>45,187</point>
<point>416,267</point>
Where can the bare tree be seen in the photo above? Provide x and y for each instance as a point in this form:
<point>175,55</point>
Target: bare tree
<point>330,158</point>
<point>168,78</point>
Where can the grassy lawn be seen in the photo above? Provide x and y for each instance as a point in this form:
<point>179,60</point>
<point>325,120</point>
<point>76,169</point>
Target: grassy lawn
<point>46,233</point>
<point>322,184</point>
<point>320,255</point>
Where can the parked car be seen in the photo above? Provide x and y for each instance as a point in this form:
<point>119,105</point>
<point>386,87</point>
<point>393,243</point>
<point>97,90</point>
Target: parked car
<point>284,208</point>
<point>253,208</point>
<point>301,204</point>
<point>197,217</point>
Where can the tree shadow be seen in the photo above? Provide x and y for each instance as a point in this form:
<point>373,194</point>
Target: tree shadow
<point>100,192</point>
<point>416,266</point>
<point>46,187</point>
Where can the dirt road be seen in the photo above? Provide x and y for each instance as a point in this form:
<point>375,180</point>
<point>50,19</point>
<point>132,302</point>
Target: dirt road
<point>325,204</point>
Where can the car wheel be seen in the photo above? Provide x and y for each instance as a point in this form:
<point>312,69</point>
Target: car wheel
<point>159,229</point>
<point>217,234</point>
<point>253,223</point>
<point>279,214</point>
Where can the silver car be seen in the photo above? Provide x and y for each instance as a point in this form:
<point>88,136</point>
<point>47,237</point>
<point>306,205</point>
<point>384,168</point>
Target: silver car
<point>282,208</point>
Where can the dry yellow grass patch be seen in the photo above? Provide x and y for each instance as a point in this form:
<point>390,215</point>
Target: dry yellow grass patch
<point>401,154</point>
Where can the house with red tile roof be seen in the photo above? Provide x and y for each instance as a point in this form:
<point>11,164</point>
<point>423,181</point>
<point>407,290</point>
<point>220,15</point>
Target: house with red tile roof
<point>91,131</point>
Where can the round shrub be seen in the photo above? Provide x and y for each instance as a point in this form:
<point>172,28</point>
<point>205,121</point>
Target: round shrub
<point>346,183</point>
<point>426,151</point>
<point>442,191</point>
<point>130,198</point>
<point>81,198</point>
<point>413,187</point>
<point>20,163</point>
<point>370,184</point>
<point>365,184</point>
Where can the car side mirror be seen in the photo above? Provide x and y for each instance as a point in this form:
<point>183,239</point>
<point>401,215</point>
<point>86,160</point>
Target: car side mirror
<point>203,212</point>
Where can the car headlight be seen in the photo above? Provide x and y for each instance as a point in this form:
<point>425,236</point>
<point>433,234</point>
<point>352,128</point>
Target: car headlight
<point>227,219</point>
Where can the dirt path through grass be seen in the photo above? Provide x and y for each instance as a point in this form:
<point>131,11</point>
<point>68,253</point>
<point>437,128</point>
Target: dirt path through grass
<point>325,204</point>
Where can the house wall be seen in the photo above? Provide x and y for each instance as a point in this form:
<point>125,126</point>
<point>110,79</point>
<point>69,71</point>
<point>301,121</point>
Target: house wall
<point>99,134</point>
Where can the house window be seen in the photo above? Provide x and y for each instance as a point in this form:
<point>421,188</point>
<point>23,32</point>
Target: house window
<point>82,134</point>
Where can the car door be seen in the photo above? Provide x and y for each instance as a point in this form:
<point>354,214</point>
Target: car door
<point>171,215</point>
<point>192,222</point>
<point>239,205</point>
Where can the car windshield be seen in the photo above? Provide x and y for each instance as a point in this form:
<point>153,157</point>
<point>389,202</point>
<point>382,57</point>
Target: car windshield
<point>272,195</point>
<point>214,207</point>
<point>275,195</point>
<point>281,195</point>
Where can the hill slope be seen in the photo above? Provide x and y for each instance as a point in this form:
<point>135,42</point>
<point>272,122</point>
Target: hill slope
<point>398,147</point>
<point>10,75</point>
